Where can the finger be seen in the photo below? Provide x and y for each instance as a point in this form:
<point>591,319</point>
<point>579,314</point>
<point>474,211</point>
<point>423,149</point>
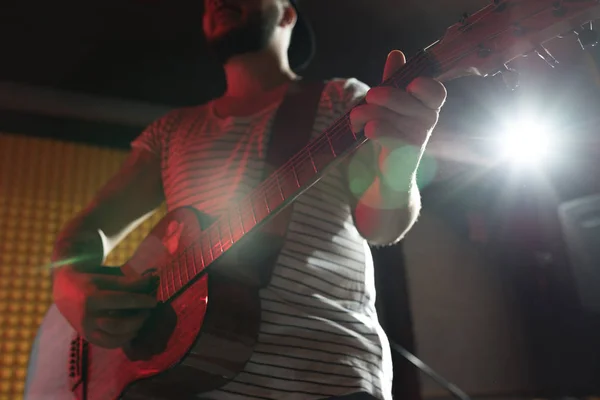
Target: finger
<point>121,326</point>
<point>392,136</point>
<point>126,284</point>
<point>395,60</point>
<point>402,103</point>
<point>361,115</point>
<point>428,91</point>
<point>112,300</point>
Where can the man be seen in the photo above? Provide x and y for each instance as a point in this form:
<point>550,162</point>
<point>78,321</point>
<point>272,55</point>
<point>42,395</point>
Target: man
<point>319,336</point>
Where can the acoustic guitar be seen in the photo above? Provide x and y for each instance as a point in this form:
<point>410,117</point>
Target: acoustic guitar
<point>205,325</point>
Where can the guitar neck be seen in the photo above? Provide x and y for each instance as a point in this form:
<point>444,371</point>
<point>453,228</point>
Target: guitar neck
<point>283,186</point>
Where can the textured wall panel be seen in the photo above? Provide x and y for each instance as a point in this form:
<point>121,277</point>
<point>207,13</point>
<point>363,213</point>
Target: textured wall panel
<point>43,183</point>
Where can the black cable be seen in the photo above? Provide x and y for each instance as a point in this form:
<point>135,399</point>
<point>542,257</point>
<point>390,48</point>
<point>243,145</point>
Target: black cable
<point>452,388</point>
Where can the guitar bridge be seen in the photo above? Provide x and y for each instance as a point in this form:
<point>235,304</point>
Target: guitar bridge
<point>78,356</point>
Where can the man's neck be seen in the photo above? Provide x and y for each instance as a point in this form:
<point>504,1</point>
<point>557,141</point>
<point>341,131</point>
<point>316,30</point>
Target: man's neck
<point>250,75</point>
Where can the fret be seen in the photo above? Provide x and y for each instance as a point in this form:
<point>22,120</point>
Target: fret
<point>288,183</point>
<point>212,255</point>
<point>171,280</point>
<point>210,245</point>
<point>253,211</point>
<point>279,186</point>
<point>330,144</point>
<point>230,228</point>
<point>344,137</point>
<point>248,217</point>
<point>260,212</point>
<point>295,176</point>
<point>161,286</point>
<point>266,197</point>
<point>223,227</point>
<point>312,161</point>
<point>322,155</point>
<point>165,273</point>
<point>187,272</point>
<point>178,272</point>
<point>274,195</point>
<point>201,250</point>
<point>220,236</point>
<point>192,255</point>
<point>304,171</point>
<point>206,246</point>
<point>239,213</point>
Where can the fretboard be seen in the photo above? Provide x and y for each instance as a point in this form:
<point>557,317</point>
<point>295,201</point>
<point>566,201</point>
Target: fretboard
<point>281,188</point>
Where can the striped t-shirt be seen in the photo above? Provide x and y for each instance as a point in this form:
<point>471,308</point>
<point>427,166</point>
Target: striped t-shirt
<point>319,335</point>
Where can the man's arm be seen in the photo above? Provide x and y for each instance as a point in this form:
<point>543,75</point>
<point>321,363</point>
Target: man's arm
<point>123,203</point>
<point>381,187</point>
<point>399,123</point>
<point>384,196</point>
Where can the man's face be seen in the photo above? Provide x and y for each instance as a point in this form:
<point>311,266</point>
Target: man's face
<point>235,27</point>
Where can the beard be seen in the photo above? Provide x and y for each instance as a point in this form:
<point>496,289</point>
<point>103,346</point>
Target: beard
<point>251,37</point>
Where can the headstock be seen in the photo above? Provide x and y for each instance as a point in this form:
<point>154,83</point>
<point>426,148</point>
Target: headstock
<point>482,43</point>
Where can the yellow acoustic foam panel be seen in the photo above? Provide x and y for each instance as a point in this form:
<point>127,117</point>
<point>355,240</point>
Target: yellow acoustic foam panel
<point>43,183</point>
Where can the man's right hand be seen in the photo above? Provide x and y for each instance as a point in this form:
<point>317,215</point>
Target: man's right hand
<point>107,310</point>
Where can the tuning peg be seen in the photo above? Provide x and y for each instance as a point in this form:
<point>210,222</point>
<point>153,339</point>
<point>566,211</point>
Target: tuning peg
<point>587,36</point>
<point>510,77</point>
<point>545,55</point>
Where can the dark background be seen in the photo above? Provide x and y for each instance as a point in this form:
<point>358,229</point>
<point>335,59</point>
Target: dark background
<point>153,50</point>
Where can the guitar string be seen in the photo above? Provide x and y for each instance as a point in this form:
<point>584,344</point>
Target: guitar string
<point>324,140</point>
<point>199,242</point>
<point>305,154</point>
<point>320,142</point>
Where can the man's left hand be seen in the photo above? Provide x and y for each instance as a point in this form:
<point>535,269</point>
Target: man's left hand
<point>394,117</point>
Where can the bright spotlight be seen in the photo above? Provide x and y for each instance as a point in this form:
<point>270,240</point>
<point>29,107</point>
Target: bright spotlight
<point>526,142</point>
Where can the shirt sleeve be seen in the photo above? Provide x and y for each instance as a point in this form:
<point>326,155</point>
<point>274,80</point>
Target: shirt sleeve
<point>341,94</point>
<point>155,135</point>
<point>353,92</point>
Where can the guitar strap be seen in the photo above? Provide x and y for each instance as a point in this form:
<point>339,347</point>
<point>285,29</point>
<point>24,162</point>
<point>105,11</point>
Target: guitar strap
<point>291,130</point>
<point>292,127</point>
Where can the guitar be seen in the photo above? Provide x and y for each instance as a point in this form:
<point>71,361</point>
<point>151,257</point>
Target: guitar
<point>189,255</point>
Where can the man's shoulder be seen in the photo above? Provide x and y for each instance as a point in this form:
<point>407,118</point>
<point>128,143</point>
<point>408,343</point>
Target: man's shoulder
<point>180,114</point>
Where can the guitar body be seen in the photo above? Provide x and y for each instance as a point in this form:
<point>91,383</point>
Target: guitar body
<point>192,343</point>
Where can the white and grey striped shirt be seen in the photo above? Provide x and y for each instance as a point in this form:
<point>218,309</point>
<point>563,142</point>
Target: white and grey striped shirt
<point>319,334</point>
